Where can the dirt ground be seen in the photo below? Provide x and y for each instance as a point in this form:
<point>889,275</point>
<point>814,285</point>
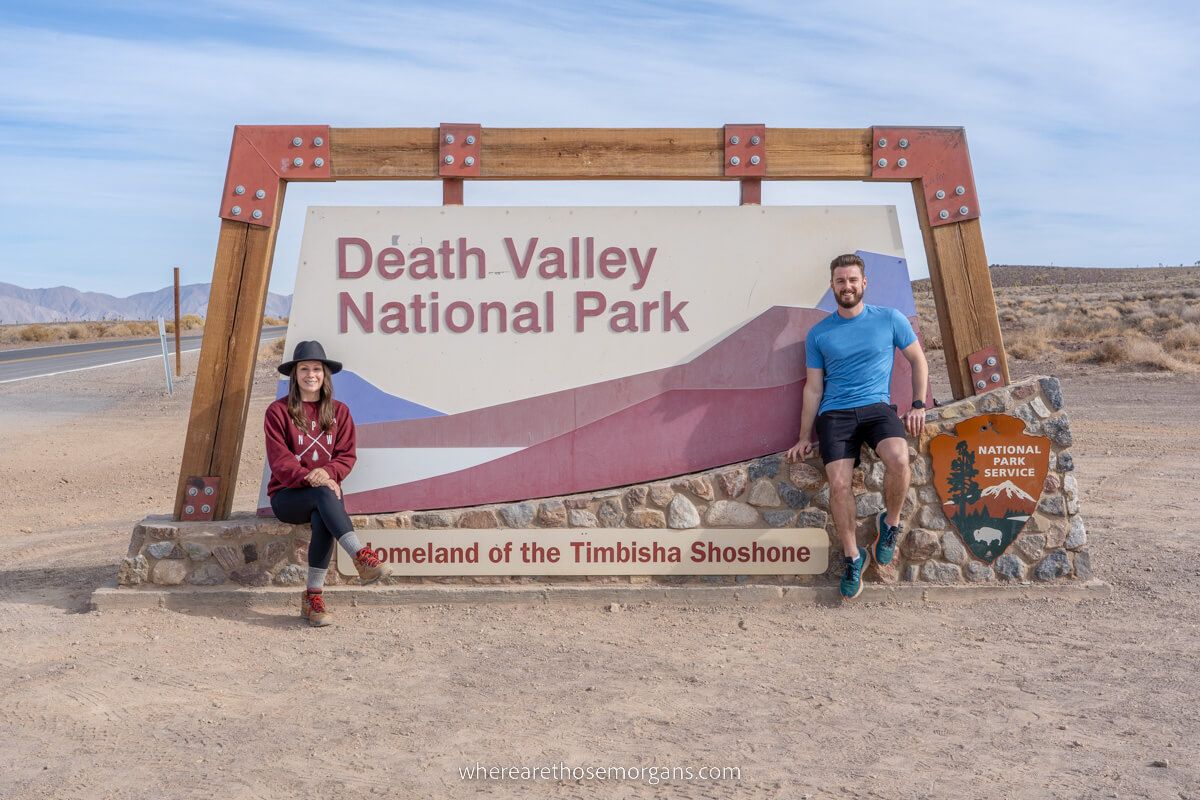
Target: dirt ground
<point>1015,698</point>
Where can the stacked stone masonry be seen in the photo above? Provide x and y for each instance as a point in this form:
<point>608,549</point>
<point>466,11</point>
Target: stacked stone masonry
<point>765,492</point>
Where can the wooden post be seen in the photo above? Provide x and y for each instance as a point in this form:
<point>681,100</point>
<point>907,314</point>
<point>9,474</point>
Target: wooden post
<point>225,376</point>
<point>962,294</point>
<point>178,355</point>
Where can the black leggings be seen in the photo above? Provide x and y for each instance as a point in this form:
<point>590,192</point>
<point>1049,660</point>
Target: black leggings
<point>320,507</point>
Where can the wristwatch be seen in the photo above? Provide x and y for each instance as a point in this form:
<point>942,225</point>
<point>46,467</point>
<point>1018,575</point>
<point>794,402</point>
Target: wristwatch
<point>918,403</point>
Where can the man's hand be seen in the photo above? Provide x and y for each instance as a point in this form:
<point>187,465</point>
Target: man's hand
<point>799,451</point>
<point>914,421</point>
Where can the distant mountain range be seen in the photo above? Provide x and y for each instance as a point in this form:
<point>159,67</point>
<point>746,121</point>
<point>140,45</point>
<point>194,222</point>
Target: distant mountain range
<point>64,304</point>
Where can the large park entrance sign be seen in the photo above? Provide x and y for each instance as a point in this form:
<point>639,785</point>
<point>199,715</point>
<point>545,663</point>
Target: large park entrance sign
<point>494,355</point>
<point>676,347</point>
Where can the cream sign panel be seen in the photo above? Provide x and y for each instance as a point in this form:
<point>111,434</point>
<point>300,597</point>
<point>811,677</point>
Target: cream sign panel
<point>499,354</point>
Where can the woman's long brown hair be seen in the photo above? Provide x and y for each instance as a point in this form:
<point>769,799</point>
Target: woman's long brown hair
<point>324,403</point>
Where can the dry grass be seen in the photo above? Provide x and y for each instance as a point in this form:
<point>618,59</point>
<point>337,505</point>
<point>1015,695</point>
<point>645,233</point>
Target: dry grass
<point>51,332</point>
<point>1145,320</point>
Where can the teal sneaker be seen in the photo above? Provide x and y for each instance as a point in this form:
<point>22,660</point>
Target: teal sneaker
<point>885,544</point>
<point>852,581</point>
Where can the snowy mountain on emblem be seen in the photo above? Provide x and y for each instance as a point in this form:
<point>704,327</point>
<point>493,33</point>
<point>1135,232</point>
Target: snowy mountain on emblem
<point>1008,489</point>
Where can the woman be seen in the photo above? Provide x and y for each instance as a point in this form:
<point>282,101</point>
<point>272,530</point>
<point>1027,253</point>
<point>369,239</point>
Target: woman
<point>310,447</point>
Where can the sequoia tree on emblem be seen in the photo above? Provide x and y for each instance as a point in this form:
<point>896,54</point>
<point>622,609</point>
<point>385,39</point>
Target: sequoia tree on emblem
<point>989,476</point>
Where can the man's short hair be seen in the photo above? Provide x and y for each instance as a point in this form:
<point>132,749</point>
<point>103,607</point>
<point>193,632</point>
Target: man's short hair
<point>847,260</point>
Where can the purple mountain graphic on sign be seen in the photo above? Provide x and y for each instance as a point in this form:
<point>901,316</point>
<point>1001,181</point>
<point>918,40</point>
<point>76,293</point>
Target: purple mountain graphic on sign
<point>368,403</point>
<point>888,284</point>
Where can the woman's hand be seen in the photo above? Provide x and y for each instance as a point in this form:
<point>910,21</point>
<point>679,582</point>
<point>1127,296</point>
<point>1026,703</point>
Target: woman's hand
<point>318,477</point>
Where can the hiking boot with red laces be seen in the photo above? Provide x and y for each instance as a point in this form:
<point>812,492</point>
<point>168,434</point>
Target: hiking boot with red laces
<point>312,608</point>
<point>370,568</point>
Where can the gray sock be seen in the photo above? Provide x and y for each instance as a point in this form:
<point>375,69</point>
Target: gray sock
<point>316,577</point>
<point>350,543</point>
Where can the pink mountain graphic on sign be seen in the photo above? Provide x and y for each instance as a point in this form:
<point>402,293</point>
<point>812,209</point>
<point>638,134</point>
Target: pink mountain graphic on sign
<point>737,400</point>
<point>1006,490</point>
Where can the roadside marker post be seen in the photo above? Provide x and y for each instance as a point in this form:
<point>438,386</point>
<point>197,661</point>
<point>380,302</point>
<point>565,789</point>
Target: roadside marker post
<point>162,339</point>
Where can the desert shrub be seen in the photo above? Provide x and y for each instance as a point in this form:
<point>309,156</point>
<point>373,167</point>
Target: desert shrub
<point>42,333</point>
<point>1185,337</point>
<point>77,332</point>
<point>1103,312</point>
<point>275,321</point>
<point>272,351</point>
<point>1081,328</point>
<point>1031,344</point>
<point>1190,314</point>
<point>1131,351</point>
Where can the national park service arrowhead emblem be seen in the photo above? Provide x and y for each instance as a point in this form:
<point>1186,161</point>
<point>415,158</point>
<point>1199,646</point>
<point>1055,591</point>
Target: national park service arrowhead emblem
<point>989,476</point>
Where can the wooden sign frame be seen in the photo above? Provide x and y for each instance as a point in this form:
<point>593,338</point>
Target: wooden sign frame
<point>264,159</point>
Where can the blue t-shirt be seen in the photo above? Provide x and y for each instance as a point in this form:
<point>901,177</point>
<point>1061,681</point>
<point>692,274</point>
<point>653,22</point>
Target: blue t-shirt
<point>857,355</point>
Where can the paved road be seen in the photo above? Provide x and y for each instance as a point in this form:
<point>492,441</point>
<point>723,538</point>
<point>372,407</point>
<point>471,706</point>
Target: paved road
<point>37,362</point>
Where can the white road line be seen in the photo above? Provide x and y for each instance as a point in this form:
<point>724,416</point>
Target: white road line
<point>94,366</point>
<point>98,366</point>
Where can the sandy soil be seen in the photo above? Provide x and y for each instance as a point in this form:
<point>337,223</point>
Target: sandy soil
<point>1015,698</point>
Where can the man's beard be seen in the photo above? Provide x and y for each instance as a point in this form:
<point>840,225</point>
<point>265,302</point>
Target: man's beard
<point>852,302</point>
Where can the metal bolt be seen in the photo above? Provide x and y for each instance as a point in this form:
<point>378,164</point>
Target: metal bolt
<point>449,138</point>
<point>735,140</point>
<point>204,509</point>
<point>980,384</point>
<point>882,162</point>
<point>298,162</point>
<point>943,214</point>
<point>940,194</point>
<point>995,377</point>
<point>469,161</point>
<point>449,159</point>
<point>883,142</point>
<point>755,159</point>
<point>239,189</point>
<point>318,162</point>
<point>189,509</point>
<point>964,210</point>
<point>470,140</point>
<point>977,368</point>
<point>991,361</point>
<point>237,211</point>
<point>735,161</point>
<point>297,142</point>
<point>208,490</point>
<point>260,194</point>
<point>755,140</point>
<point>256,214</point>
<point>904,142</point>
<point>902,163</point>
<point>191,491</point>
<point>318,141</point>
<point>960,191</point>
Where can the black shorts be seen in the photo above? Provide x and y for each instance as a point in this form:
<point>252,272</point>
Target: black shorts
<point>841,432</point>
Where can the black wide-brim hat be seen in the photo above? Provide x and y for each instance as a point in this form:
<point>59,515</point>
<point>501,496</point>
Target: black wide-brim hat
<point>309,351</point>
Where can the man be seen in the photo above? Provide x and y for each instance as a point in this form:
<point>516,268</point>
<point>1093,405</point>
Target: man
<point>849,357</point>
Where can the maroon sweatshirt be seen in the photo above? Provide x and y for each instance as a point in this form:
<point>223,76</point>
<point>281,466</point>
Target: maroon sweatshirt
<point>293,453</point>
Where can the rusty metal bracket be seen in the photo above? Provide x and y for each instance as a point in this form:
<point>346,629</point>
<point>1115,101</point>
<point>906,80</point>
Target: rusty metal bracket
<point>200,498</point>
<point>745,151</point>
<point>459,149</point>
<point>986,373</point>
<point>937,157</point>
<point>263,155</point>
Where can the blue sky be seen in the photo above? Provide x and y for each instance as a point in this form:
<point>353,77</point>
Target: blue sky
<point>116,118</point>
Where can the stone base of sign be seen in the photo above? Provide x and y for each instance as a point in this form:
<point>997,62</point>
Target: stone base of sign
<point>766,492</point>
